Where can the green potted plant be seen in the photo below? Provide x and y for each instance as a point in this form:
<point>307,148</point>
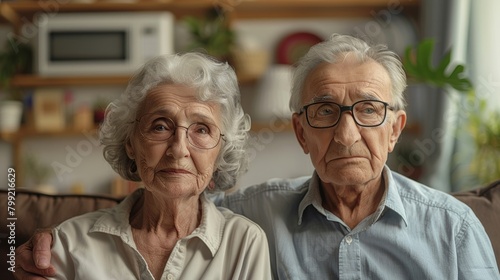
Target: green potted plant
<point>211,33</point>
<point>482,125</point>
<point>15,58</point>
<point>418,67</point>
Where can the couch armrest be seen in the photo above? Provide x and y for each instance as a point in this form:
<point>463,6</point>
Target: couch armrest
<point>35,210</point>
<point>485,202</point>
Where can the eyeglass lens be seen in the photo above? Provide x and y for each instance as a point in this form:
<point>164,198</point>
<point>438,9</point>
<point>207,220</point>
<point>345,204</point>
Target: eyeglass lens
<point>327,114</point>
<point>160,128</point>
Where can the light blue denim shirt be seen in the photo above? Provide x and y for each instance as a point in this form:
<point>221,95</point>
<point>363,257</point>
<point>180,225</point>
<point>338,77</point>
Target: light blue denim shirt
<point>416,233</point>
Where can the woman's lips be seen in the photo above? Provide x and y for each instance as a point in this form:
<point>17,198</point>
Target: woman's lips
<point>175,171</point>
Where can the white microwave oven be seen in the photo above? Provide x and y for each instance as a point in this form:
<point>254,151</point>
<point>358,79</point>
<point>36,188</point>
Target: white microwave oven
<point>115,43</point>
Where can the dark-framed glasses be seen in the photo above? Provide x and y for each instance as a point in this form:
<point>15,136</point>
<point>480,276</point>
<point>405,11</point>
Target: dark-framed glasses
<point>366,113</point>
<point>157,127</point>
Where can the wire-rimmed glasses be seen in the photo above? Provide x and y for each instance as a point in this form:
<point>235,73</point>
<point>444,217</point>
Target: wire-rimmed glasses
<point>366,113</point>
<point>157,127</point>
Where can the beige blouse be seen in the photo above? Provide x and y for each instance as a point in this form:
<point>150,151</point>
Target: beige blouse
<point>99,245</point>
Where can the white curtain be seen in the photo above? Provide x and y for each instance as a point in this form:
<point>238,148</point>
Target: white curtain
<point>484,50</point>
<point>471,29</point>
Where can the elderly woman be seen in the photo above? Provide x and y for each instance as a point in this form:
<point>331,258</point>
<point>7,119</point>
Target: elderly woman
<point>180,129</point>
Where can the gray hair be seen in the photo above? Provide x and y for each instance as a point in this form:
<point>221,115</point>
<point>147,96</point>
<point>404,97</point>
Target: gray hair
<point>214,81</point>
<point>334,50</point>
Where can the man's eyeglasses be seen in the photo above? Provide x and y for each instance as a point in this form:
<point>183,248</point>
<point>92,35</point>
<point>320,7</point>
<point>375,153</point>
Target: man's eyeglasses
<point>367,113</point>
<point>156,127</point>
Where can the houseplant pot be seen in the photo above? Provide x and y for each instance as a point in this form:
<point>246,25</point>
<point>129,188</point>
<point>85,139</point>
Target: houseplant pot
<point>11,112</point>
<point>15,58</point>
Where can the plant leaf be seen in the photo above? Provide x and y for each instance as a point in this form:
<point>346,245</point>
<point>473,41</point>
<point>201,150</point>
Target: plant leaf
<point>420,68</point>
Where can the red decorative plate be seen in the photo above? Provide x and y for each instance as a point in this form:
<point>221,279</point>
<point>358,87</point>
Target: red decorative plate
<point>294,46</point>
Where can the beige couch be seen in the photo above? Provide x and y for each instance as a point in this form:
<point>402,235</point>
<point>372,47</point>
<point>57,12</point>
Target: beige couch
<point>35,210</point>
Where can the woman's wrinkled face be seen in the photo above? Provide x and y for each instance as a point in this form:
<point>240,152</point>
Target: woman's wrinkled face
<point>174,167</point>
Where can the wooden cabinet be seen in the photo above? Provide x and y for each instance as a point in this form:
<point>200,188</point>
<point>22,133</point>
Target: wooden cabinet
<point>17,13</point>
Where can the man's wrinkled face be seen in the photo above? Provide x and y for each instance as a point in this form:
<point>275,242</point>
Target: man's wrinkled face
<point>348,154</point>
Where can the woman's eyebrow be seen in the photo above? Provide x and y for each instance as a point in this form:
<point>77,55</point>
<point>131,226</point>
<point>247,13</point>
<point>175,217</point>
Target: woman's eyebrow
<point>203,117</point>
<point>194,117</point>
<point>160,111</point>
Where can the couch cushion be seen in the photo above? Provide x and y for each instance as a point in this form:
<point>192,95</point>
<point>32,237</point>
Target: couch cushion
<point>485,202</point>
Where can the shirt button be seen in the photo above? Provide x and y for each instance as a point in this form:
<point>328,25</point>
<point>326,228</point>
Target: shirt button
<point>170,277</point>
<point>348,239</point>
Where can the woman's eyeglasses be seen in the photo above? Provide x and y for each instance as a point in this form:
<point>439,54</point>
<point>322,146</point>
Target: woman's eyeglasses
<point>156,127</point>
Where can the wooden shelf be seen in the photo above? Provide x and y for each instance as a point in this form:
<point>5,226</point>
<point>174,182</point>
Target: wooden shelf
<point>17,12</point>
<point>14,12</point>
<point>29,81</point>
<point>17,138</point>
<point>32,81</point>
<point>27,132</point>
<point>258,9</point>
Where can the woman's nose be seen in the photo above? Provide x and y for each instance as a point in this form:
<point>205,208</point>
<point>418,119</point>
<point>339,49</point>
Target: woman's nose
<point>178,143</point>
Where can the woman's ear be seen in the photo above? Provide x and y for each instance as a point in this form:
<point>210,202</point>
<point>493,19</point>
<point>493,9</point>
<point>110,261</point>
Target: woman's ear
<point>299,132</point>
<point>397,128</point>
<point>129,149</point>
<point>211,185</point>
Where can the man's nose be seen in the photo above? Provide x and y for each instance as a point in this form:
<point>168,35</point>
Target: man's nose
<point>346,130</point>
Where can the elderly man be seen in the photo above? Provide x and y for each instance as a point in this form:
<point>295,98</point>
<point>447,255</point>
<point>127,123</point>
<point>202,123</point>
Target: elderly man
<point>354,218</point>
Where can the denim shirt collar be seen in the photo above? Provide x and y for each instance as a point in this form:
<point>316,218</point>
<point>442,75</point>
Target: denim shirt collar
<point>391,199</point>
<point>116,222</point>
<point>312,197</point>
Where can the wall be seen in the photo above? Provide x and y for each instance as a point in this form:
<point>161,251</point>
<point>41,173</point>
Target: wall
<point>83,156</point>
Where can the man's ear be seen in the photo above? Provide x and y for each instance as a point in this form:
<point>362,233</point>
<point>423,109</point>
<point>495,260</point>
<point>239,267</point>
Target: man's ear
<point>299,132</point>
<point>397,128</point>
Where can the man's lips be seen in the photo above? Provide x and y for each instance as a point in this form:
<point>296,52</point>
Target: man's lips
<point>347,158</point>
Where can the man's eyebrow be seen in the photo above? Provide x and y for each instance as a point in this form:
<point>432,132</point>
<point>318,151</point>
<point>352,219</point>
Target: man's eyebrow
<point>329,98</point>
<point>368,96</point>
<point>320,98</point>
